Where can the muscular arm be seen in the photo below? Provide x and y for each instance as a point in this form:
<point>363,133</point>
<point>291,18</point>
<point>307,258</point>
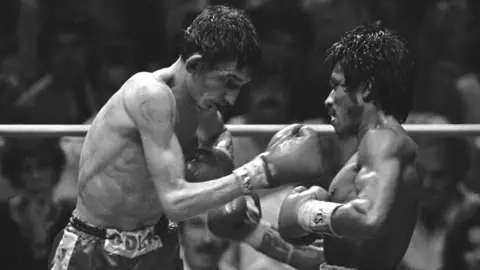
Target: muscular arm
<point>151,106</point>
<point>380,173</point>
<point>213,133</point>
<point>268,241</point>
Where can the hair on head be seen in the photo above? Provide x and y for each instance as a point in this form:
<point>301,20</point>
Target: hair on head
<point>221,34</point>
<point>370,53</point>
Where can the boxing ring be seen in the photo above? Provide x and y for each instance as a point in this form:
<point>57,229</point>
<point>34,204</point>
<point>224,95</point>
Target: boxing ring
<point>236,130</point>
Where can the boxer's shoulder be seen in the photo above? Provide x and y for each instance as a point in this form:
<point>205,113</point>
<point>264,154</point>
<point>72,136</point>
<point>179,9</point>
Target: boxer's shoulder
<point>145,97</point>
<point>144,85</point>
<point>386,142</point>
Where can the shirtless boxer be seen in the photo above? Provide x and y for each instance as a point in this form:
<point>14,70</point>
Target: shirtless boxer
<point>131,176</point>
<point>368,215</point>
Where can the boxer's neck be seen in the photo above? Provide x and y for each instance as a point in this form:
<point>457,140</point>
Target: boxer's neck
<point>371,119</point>
<point>179,84</point>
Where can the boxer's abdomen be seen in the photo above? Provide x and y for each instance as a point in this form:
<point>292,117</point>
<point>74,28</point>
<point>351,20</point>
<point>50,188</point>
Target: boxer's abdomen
<point>115,187</point>
<point>121,195</point>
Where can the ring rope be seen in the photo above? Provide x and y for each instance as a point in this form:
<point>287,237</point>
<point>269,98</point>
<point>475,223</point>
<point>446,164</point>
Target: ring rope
<point>237,130</point>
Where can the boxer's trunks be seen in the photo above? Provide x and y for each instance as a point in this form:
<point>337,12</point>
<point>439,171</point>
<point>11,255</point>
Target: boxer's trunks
<point>81,246</point>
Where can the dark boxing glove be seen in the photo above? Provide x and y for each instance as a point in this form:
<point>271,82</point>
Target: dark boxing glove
<point>237,219</point>
<point>207,164</point>
<point>288,225</point>
<point>293,156</point>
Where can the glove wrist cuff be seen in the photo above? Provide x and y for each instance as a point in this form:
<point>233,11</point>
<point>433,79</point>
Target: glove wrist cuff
<point>252,175</point>
<point>316,216</point>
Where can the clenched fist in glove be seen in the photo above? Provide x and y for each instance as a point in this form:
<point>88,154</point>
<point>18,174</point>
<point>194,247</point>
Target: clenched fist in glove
<point>292,156</point>
<point>207,164</point>
<point>289,226</point>
<point>237,219</point>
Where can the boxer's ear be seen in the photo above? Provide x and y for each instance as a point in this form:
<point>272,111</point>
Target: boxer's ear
<point>194,63</point>
<point>367,93</point>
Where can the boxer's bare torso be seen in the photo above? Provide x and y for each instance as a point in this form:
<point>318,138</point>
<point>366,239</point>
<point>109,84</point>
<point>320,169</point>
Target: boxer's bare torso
<point>115,186</point>
<point>387,247</point>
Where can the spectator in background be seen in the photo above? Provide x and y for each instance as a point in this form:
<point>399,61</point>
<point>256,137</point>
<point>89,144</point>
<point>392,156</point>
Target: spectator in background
<point>201,250</point>
<point>31,219</point>
<point>330,20</point>
<point>267,102</point>
<point>462,243</point>
<point>20,67</point>
<point>438,92</point>
<point>286,36</point>
<point>116,65</point>
<point>443,164</point>
<point>64,95</point>
<point>285,33</point>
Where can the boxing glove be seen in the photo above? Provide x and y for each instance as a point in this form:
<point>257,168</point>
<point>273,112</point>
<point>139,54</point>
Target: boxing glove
<point>236,219</point>
<point>293,156</point>
<point>283,134</point>
<point>288,223</point>
<point>207,164</point>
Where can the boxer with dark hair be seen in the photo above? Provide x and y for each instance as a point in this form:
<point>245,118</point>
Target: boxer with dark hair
<point>368,215</point>
<point>131,176</point>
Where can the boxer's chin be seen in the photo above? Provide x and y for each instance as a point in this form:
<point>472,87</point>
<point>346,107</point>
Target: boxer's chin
<point>341,131</point>
<point>336,126</point>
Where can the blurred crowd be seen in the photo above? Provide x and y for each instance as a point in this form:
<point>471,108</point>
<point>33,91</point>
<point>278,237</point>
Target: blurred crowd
<point>60,61</point>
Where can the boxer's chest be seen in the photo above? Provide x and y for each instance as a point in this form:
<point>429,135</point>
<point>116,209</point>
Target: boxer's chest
<point>343,187</point>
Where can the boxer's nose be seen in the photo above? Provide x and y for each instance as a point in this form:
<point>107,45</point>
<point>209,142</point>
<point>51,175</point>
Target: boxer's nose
<point>329,100</point>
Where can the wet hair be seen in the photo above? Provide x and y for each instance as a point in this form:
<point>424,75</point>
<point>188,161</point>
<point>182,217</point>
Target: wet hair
<point>222,34</point>
<point>17,151</point>
<point>456,240</point>
<point>373,54</point>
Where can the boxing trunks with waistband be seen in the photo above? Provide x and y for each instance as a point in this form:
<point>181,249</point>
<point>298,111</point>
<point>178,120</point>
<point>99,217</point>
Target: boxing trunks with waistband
<point>81,246</point>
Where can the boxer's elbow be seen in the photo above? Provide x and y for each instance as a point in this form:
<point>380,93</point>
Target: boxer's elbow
<point>170,209</point>
<point>371,224</point>
<point>359,222</point>
<point>173,205</point>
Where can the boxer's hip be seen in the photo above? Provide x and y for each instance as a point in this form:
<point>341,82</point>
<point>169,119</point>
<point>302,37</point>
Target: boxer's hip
<point>81,245</point>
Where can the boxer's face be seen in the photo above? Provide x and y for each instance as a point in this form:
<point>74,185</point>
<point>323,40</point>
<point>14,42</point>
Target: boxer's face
<point>217,85</point>
<point>202,250</point>
<point>37,178</point>
<point>343,105</point>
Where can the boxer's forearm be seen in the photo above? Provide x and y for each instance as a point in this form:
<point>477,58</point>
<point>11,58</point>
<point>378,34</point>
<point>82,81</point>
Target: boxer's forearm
<point>191,199</point>
<point>348,220</point>
<point>268,241</point>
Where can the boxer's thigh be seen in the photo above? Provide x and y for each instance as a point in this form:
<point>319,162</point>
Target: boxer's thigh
<point>73,250</point>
